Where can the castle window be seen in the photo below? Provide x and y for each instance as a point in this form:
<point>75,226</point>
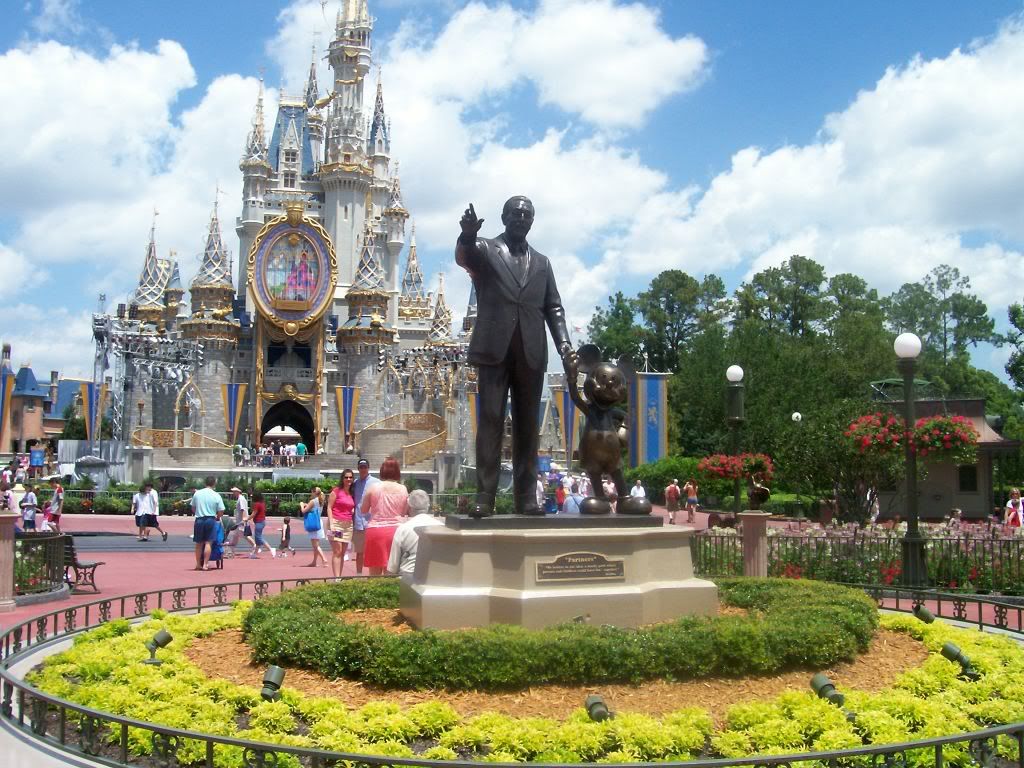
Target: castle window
<point>289,179</point>
<point>348,157</point>
<point>291,156</point>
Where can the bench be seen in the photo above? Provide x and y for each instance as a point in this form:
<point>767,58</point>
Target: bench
<point>84,570</point>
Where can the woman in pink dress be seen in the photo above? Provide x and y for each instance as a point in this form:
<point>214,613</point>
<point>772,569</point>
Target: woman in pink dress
<point>383,506</point>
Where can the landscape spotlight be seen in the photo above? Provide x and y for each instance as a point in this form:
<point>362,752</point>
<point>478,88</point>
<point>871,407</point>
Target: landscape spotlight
<point>923,613</point>
<point>822,686</point>
<point>597,710</point>
<point>160,639</point>
<point>272,680</point>
<point>953,653</point>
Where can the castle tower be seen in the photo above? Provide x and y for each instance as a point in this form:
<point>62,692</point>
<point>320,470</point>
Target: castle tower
<point>149,296</point>
<point>255,179</point>
<point>212,292</point>
<point>314,119</point>
<point>469,321</point>
<point>441,327</point>
<point>173,295</point>
<point>346,174</point>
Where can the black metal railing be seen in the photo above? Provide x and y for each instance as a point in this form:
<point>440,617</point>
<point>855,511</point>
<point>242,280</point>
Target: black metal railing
<point>104,737</point>
<point>977,564</point>
<point>38,563</point>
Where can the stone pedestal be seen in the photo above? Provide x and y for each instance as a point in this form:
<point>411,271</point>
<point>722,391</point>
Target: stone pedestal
<point>7,520</point>
<point>755,543</point>
<point>538,576</point>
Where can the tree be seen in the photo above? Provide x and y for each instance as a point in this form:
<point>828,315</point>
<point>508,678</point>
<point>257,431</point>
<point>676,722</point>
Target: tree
<point>74,426</point>
<point>673,308</point>
<point>614,329</point>
<point>785,299</point>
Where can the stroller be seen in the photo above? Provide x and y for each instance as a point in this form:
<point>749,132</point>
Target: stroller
<point>229,534</point>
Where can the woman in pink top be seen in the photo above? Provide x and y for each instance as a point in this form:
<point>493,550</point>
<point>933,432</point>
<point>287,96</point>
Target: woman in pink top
<point>383,506</point>
<point>341,505</point>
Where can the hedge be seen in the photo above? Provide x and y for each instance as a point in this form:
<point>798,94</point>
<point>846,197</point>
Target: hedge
<point>102,670</point>
<point>790,624</point>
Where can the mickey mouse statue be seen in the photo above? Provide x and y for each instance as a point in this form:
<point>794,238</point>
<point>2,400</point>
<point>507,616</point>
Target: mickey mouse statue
<point>604,433</point>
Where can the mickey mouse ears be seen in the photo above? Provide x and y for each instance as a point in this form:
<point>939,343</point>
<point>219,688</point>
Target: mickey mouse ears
<point>589,356</point>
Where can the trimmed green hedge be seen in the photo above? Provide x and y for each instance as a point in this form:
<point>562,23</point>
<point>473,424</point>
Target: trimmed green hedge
<point>791,623</point>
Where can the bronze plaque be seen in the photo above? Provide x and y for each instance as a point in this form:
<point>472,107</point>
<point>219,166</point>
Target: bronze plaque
<point>581,566</point>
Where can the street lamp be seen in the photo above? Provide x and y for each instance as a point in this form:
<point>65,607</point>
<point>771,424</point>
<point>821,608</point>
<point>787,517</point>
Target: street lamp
<point>734,415</point>
<point>907,347</point>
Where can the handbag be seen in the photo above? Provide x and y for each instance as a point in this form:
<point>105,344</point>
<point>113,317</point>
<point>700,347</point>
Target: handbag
<point>311,522</point>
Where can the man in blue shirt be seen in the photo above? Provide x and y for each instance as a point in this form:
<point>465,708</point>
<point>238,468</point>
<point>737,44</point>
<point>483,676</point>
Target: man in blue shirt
<point>572,501</point>
<point>362,482</point>
<point>206,503</point>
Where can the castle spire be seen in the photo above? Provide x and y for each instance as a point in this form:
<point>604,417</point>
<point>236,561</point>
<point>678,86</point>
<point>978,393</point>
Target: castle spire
<point>312,89</point>
<point>380,135</point>
<point>256,143</point>
<point>412,281</point>
<point>216,268</point>
<point>470,319</point>
<point>369,276</point>
<point>441,329</point>
<point>149,296</point>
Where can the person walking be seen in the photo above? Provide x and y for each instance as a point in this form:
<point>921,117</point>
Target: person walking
<point>341,503</point>
<point>672,494</point>
<point>146,507</point>
<point>29,507</point>
<point>258,520</point>
<point>311,512</point>
<point>690,492</point>
<point>363,481</point>
<point>384,505</point>
<point>56,504</point>
<point>242,525</point>
<point>1014,515</point>
<point>206,503</point>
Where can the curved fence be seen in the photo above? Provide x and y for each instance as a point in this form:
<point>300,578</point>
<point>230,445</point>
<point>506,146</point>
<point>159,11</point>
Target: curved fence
<point>104,737</point>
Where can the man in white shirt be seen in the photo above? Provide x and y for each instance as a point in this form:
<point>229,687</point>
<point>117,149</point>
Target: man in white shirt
<point>402,560</point>
<point>146,507</point>
<point>637,491</point>
<point>29,506</point>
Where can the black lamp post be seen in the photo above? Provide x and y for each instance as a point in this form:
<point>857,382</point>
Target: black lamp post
<point>734,415</point>
<point>907,347</point>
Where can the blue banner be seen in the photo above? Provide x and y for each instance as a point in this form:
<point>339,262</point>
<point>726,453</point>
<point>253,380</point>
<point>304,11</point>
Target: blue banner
<point>234,402</point>
<point>648,418</point>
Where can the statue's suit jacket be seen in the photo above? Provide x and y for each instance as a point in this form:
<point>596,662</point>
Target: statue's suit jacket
<point>503,302</point>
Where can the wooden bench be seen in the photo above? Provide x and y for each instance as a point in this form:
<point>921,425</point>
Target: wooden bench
<point>84,570</point>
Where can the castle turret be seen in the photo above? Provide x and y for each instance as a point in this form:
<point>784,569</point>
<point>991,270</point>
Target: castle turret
<point>469,321</point>
<point>441,327</point>
<point>413,303</point>
<point>211,291</point>
<point>367,301</point>
<point>149,296</point>
<point>173,294</point>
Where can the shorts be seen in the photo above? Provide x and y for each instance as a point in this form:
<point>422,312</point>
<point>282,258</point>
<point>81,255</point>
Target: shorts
<point>204,529</point>
<point>146,521</point>
<point>358,541</point>
<point>341,530</point>
<point>317,534</point>
<point>29,525</point>
<point>259,533</point>
<point>692,500</point>
<point>673,505</point>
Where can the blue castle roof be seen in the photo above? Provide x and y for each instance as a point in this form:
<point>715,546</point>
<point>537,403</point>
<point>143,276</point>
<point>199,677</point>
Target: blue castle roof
<point>26,385</point>
<point>287,114</point>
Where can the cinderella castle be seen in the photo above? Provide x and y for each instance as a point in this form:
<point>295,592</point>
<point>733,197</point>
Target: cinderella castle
<point>321,327</point>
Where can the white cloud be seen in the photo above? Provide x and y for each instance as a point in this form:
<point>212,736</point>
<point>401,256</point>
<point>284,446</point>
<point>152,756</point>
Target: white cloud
<point>49,338</point>
<point>17,272</point>
<point>58,17</point>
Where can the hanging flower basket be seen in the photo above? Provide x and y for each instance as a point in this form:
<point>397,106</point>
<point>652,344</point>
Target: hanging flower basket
<point>946,438</point>
<point>876,433</point>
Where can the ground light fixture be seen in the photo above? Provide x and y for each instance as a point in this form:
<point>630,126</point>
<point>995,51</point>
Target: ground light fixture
<point>160,640</point>
<point>952,652</point>
<point>597,710</point>
<point>272,680</point>
<point>923,614</point>
<point>825,689</point>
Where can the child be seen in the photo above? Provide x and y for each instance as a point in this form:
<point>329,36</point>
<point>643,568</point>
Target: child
<point>285,547</point>
<point>217,547</point>
<point>44,526</point>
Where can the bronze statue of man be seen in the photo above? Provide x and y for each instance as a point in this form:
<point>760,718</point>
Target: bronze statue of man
<point>516,294</point>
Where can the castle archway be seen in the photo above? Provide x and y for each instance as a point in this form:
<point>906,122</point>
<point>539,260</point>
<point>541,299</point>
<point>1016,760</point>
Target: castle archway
<point>289,413</point>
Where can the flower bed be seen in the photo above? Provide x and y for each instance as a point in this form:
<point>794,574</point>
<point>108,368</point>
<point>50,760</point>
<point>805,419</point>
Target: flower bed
<point>103,671</point>
<point>792,623</point>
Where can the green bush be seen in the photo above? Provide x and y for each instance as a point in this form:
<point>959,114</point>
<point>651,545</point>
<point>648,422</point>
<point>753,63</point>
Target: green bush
<point>791,623</point>
<point>656,476</point>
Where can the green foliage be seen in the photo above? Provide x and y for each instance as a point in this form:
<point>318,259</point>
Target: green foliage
<point>656,476</point>
<point>791,623</point>
<point>102,670</point>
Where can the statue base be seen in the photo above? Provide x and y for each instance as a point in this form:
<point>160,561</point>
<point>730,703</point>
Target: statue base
<point>628,575</point>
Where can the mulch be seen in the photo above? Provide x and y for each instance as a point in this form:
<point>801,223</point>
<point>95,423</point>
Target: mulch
<point>225,655</point>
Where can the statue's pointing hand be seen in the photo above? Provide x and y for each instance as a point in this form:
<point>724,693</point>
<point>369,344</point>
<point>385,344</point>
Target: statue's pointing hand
<point>470,223</point>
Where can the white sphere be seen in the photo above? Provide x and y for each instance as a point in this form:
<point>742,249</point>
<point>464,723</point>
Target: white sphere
<point>907,346</point>
<point>734,374</point>
<point>797,417</point>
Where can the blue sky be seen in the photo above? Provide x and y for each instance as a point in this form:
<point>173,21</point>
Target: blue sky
<point>877,138</point>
